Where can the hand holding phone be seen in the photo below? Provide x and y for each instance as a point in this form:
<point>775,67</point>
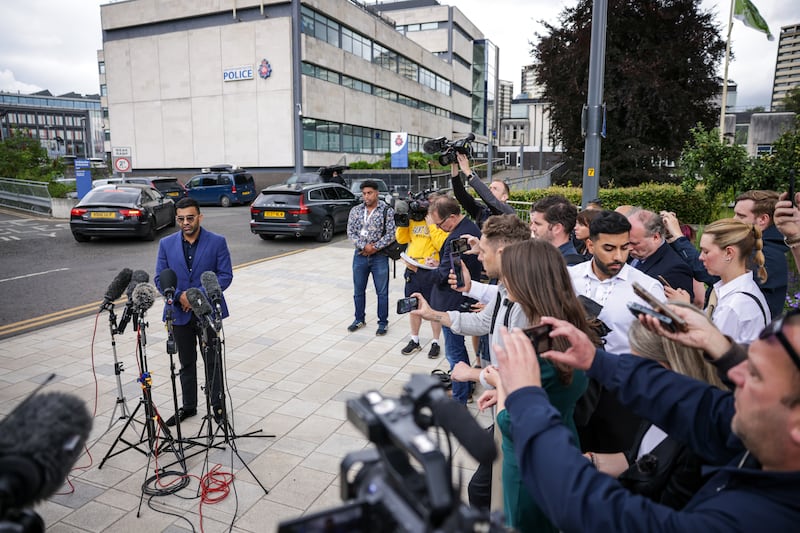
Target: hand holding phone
<point>459,246</point>
<point>664,282</point>
<point>639,309</point>
<point>406,305</point>
<point>659,307</point>
<point>540,338</point>
<point>791,188</point>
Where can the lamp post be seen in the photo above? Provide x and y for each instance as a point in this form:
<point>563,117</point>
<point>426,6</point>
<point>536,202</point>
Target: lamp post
<point>521,155</point>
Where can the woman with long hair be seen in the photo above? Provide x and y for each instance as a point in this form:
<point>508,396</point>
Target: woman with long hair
<point>582,223</point>
<point>735,305</point>
<point>657,466</point>
<point>536,277</point>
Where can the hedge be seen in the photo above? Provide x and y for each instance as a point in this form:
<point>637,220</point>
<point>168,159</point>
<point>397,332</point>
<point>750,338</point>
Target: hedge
<point>691,207</point>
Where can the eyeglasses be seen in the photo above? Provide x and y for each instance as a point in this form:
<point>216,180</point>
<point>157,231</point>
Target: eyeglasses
<point>187,218</point>
<point>439,224</point>
<point>775,329</point>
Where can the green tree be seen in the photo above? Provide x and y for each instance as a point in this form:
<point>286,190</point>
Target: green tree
<point>24,157</point>
<point>719,166</point>
<point>659,82</point>
<point>791,102</point>
<point>772,171</point>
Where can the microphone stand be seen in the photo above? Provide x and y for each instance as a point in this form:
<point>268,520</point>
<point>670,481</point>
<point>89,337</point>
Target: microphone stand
<point>122,402</point>
<point>211,348</point>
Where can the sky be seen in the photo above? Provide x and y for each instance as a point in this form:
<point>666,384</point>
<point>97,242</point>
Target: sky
<point>52,44</point>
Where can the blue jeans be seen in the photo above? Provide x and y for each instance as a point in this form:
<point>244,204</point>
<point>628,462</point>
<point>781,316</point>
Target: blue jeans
<point>455,350</point>
<point>378,265</point>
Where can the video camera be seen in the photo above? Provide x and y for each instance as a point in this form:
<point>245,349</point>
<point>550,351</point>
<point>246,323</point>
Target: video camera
<point>449,149</point>
<point>387,493</point>
<point>415,207</point>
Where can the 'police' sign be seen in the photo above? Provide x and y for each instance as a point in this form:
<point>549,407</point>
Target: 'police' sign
<point>238,73</point>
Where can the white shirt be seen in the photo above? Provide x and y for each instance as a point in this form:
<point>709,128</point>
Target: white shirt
<point>614,294</point>
<point>737,315</point>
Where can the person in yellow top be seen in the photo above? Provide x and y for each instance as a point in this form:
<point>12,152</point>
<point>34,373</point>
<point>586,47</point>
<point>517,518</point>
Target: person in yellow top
<point>424,240</point>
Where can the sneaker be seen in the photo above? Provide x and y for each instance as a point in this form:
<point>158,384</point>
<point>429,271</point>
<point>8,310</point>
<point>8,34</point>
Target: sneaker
<point>183,414</point>
<point>382,330</point>
<point>355,326</point>
<point>411,347</point>
<point>434,352</point>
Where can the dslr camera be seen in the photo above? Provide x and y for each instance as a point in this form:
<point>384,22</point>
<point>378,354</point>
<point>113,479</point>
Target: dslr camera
<point>404,483</point>
<point>448,149</point>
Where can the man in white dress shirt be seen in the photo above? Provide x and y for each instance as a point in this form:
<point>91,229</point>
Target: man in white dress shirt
<point>603,424</point>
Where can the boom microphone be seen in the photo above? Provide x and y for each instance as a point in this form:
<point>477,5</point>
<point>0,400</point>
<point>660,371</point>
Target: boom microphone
<point>200,305</point>
<point>117,287</point>
<point>139,276</point>
<point>169,282</point>
<point>40,440</point>
<point>144,296</point>
<point>211,284</point>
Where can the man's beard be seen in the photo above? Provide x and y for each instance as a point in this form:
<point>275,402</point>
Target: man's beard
<point>605,268</point>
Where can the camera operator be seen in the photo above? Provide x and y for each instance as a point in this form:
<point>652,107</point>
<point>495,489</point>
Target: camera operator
<point>494,196</point>
<point>424,241</point>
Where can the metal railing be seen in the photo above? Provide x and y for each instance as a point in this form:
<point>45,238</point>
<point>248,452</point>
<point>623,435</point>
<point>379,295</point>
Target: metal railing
<point>26,195</point>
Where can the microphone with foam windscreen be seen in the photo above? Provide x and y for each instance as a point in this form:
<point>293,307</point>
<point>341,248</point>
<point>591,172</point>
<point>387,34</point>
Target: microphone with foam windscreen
<point>117,287</point>
<point>40,440</point>
<point>200,306</point>
<point>211,284</point>
<point>144,296</point>
<point>138,276</point>
<point>169,282</point>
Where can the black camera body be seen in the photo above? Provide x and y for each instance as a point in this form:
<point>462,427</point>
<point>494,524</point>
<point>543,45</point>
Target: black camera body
<point>415,207</point>
<point>448,149</point>
<point>382,489</point>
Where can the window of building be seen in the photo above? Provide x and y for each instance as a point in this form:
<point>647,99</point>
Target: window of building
<point>356,139</point>
<point>101,67</point>
<point>384,57</point>
<point>356,44</point>
<point>104,90</point>
<point>407,68</point>
<point>358,85</point>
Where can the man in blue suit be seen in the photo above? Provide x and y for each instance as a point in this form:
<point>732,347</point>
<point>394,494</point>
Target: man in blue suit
<point>189,253</point>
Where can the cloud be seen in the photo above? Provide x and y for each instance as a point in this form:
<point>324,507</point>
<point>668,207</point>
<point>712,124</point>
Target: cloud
<point>9,83</point>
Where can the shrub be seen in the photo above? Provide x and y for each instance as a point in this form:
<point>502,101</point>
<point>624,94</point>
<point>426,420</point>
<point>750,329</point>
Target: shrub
<point>691,207</point>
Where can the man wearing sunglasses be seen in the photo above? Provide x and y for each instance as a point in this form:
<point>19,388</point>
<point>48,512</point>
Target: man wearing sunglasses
<point>750,436</point>
<point>189,253</point>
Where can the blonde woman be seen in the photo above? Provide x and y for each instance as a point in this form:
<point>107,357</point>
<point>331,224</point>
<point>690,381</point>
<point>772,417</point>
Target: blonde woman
<point>736,305</point>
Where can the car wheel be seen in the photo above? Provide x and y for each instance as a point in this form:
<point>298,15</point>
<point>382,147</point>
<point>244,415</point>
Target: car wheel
<point>151,230</point>
<point>225,201</point>
<point>266,236</point>
<point>81,237</point>
<point>326,233</point>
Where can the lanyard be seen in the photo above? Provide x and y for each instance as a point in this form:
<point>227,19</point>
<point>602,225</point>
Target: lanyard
<point>367,216</point>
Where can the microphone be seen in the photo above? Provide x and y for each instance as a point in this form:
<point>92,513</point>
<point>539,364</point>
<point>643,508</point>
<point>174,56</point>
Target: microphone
<point>139,276</point>
<point>200,306</point>
<point>144,296</point>
<point>40,440</point>
<point>168,281</point>
<point>211,284</point>
<point>117,286</point>
<point>456,418</point>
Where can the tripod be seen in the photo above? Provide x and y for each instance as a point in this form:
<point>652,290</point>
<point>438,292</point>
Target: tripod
<point>122,402</point>
<point>153,426</point>
<point>216,401</point>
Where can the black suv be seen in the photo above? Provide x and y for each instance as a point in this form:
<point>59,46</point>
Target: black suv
<point>222,185</point>
<point>317,209</point>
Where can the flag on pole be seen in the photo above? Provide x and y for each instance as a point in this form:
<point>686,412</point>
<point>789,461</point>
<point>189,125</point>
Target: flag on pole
<point>745,11</point>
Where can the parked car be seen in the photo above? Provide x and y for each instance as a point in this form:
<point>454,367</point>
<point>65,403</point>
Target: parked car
<point>317,209</point>
<point>168,185</point>
<point>128,209</point>
<point>223,185</point>
<point>383,189</point>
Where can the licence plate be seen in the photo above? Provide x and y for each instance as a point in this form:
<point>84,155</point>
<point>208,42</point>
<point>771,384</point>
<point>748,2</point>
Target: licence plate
<point>245,193</point>
<point>102,214</point>
<point>172,194</point>
<point>273,214</point>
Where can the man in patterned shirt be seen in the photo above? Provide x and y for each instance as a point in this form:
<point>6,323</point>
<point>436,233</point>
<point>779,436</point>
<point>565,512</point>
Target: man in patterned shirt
<point>370,228</point>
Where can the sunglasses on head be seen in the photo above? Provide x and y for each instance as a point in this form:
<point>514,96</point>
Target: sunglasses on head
<point>775,329</point>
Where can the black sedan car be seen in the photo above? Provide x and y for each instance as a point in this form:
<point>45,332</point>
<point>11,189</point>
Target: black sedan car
<point>121,210</point>
<point>318,210</point>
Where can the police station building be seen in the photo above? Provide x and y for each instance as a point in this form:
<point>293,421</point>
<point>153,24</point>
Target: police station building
<point>277,85</point>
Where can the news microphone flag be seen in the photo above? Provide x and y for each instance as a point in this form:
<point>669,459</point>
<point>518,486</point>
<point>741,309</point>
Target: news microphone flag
<point>745,11</point>
<point>399,149</point>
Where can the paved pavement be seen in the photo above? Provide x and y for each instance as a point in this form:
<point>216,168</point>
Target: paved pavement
<point>290,367</point>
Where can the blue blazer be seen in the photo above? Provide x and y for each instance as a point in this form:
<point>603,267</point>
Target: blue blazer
<point>212,255</point>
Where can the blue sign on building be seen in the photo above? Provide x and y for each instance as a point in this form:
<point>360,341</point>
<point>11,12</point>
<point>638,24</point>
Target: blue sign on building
<point>83,177</point>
